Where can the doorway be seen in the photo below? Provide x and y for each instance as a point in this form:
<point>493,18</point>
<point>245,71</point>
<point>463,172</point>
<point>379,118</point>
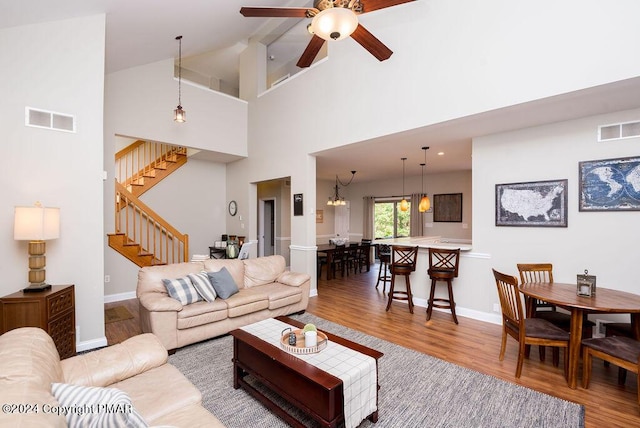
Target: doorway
<point>267,228</point>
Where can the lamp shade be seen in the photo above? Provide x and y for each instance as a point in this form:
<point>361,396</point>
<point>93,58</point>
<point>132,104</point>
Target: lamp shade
<point>334,23</point>
<point>36,223</point>
<point>404,205</point>
<point>425,204</point>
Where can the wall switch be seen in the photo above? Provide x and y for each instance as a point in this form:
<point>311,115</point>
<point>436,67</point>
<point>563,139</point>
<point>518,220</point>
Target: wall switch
<point>428,225</point>
<point>465,226</point>
<point>107,278</point>
<point>240,217</point>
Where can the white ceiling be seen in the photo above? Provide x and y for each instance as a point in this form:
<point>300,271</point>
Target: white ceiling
<point>214,33</point>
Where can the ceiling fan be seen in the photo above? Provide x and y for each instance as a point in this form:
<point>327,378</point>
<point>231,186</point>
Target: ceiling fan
<point>331,20</point>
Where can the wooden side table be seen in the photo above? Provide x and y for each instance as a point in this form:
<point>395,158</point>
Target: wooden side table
<point>52,310</point>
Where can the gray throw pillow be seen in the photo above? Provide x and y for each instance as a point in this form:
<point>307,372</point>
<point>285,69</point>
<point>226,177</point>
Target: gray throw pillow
<point>223,283</point>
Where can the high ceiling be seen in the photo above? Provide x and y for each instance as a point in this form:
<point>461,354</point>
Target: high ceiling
<point>214,33</point>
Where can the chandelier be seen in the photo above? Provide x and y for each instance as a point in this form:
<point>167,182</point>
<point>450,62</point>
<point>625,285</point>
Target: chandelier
<point>337,200</point>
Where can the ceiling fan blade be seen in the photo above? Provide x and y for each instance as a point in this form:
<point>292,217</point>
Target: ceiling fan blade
<point>371,5</point>
<point>371,43</point>
<point>310,52</point>
<point>274,12</point>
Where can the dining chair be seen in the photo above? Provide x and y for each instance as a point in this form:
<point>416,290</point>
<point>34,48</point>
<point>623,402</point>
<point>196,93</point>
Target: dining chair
<point>338,260</point>
<point>622,351</point>
<point>618,329</point>
<point>543,272</point>
<point>351,258</point>
<point>527,331</point>
<point>383,254</point>
<point>364,253</point>
<point>443,266</point>
<point>403,263</point>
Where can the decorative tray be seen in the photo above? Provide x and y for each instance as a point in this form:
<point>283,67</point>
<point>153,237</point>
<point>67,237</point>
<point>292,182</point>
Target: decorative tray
<point>300,347</point>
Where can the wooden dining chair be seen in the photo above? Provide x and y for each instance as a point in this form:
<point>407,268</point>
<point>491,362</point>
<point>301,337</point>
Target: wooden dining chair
<point>527,331</point>
<point>403,263</point>
<point>622,351</point>
<point>338,261</point>
<point>623,329</point>
<point>543,272</point>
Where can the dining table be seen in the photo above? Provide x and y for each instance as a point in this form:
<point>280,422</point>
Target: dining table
<point>329,249</point>
<point>605,300</point>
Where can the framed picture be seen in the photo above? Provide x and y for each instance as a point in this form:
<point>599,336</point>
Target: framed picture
<point>447,207</point>
<point>538,203</point>
<point>610,185</point>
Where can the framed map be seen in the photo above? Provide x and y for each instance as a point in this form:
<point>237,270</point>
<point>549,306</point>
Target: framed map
<point>610,185</point>
<point>538,203</point>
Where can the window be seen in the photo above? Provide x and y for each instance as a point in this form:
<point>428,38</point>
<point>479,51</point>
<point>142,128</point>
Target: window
<point>390,221</point>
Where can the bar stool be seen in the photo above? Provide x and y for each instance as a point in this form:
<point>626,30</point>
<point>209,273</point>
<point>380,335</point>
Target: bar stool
<point>443,266</point>
<point>403,262</point>
<point>383,253</point>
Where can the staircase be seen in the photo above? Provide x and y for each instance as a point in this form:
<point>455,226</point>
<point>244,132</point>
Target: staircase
<point>141,235</point>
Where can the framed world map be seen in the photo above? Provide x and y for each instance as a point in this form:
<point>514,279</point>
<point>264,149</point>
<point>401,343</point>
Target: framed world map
<point>538,203</point>
<point>610,185</point>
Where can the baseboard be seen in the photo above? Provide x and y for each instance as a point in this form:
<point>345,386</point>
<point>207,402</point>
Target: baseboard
<point>119,297</point>
<point>462,312</point>
<point>91,344</point>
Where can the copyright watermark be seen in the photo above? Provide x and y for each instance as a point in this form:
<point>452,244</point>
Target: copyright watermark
<point>65,410</point>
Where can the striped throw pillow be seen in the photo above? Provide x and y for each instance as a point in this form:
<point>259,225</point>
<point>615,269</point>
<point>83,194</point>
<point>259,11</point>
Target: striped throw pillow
<point>203,286</point>
<point>182,290</point>
<point>90,406</point>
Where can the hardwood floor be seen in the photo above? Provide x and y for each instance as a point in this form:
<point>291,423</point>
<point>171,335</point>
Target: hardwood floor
<point>355,302</point>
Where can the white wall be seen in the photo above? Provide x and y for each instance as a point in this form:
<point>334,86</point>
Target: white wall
<point>192,200</point>
<point>56,66</point>
<point>605,243</point>
<point>451,60</point>
<point>139,103</point>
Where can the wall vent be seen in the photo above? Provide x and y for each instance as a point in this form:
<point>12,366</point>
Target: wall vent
<point>49,120</point>
<point>619,131</point>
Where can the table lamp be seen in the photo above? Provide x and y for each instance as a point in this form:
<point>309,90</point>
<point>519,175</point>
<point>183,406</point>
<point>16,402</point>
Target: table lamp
<point>36,224</point>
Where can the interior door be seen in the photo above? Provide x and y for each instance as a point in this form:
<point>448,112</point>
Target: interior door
<point>342,220</point>
<point>267,231</point>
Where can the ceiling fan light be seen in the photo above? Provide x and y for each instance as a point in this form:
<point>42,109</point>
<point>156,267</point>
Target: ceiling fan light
<point>425,204</point>
<point>335,23</point>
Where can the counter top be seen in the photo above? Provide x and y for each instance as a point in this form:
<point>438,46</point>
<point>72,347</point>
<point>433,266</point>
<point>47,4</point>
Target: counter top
<point>429,241</point>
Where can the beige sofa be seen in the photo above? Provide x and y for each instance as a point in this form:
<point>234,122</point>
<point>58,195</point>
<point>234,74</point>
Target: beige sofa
<point>266,289</point>
<point>29,365</point>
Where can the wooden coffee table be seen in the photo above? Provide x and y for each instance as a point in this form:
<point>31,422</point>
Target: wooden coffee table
<point>310,389</point>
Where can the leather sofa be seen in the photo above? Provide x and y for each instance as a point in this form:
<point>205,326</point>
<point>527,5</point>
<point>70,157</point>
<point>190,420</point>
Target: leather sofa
<point>266,290</point>
<point>30,365</point>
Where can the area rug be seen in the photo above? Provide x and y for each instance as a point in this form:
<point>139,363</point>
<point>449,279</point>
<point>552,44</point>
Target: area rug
<point>416,390</point>
<point>117,313</point>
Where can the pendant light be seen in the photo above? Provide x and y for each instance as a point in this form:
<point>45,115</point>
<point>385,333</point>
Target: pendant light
<point>404,205</point>
<point>425,203</point>
<point>179,115</point>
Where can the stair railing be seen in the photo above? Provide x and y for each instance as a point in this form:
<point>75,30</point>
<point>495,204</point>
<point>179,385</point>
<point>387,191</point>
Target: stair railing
<point>140,158</point>
<point>141,225</point>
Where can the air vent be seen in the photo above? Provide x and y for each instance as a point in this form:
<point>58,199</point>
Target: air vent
<point>619,131</point>
<point>49,120</point>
